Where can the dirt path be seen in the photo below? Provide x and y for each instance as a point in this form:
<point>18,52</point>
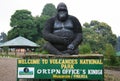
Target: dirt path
<point>8,70</point>
<point>112,75</point>
<point>113,72</point>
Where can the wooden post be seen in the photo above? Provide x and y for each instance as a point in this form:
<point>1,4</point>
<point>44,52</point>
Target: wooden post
<point>15,52</point>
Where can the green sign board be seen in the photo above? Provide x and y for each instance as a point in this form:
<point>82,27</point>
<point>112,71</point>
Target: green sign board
<point>60,68</point>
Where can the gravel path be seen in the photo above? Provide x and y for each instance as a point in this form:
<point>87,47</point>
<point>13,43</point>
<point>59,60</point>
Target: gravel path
<point>8,70</point>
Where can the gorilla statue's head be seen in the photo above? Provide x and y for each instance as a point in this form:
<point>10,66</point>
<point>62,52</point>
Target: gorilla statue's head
<point>62,12</point>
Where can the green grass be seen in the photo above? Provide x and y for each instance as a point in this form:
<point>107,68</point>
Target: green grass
<point>5,55</point>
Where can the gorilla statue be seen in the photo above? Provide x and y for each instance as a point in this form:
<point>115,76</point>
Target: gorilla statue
<point>63,33</point>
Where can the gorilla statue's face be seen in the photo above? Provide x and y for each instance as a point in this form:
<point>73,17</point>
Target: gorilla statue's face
<point>62,13</point>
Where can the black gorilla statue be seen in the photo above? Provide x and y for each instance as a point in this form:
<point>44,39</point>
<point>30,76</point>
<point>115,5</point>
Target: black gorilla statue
<point>63,33</point>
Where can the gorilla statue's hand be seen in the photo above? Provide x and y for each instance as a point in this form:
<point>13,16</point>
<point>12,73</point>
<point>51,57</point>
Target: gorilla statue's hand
<point>71,47</point>
<point>66,40</point>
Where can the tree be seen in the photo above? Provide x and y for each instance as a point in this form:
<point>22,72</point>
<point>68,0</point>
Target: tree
<point>21,18</point>
<point>91,37</point>
<point>40,22</point>
<point>110,55</point>
<point>3,37</point>
<point>94,22</point>
<point>105,30</point>
<point>22,24</point>
<point>97,35</point>
<point>118,44</point>
<point>49,9</point>
<point>87,25</point>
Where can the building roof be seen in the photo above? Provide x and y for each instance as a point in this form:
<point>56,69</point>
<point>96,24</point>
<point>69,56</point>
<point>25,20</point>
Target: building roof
<point>19,42</point>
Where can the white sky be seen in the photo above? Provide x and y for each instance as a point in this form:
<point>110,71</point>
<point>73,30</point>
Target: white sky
<point>85,10</point>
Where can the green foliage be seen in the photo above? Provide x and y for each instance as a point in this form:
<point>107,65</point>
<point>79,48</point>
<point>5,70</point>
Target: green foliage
<point>87,25</point>
<point>42,42</point>
<point>3,37</point>
<point>6,50</point>
<point>20,18</point>
<point>49,9</point>
<point>97,35</point>
<point>85,49</point>
<point>40,22</point>
<point>109,51</point>
<point>43,19</point>
<point>44,52</point>
<point>118,44</point>
<point>110,55</point>
<point>23,25</point>
<point>94,22</point>
<point>93,39</point>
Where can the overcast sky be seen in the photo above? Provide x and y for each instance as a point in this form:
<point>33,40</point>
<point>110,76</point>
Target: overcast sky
<point>107,11</point>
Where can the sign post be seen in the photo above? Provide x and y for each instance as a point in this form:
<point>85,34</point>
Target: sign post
<point>57,67</point>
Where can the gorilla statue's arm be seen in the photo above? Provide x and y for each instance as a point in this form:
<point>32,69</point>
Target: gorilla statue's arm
<point>78,33</point>
<point>48,33</point>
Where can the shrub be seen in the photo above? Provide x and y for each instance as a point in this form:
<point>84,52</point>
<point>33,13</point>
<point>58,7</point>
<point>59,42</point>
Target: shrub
<point>85,49</point>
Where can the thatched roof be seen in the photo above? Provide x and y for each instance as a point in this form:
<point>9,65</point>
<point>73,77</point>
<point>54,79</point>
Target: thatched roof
<point>19,42</point>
